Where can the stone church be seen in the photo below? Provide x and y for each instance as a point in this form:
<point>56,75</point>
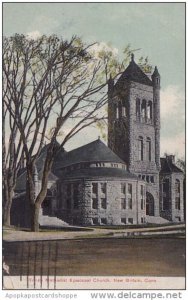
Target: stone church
<point>126,182</point>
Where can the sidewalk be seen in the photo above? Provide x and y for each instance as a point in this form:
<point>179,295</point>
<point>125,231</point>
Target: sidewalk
<point>15,236</point>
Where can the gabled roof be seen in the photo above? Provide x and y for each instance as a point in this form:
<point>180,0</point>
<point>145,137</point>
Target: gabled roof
<point>93,152</point>
<point>167,166</point>
<point>21,180</point>
<point>57,159</point>
<point>134,73</point>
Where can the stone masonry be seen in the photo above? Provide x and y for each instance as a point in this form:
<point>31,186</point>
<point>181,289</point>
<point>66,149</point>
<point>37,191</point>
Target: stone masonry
<point>112,213</point>
<point>134,135</point>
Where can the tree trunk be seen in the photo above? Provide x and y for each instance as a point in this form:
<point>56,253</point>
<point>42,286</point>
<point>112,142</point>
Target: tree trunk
<point>37,200</point>
<point>35,208</point>
<point>6,216</point>
<point>6,209</point>
<point>8,195</point>
<point>31,197</point>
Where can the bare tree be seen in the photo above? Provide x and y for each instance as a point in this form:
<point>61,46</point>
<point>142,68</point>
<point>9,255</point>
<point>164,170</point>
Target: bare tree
<point>12,158</point>
<point>47,83</point>
<point>12,150</point>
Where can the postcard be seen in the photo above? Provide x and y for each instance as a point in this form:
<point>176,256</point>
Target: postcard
<point>93,146</point>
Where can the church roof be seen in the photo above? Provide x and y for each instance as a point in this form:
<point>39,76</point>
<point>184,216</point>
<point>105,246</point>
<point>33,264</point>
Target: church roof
<point>92,152</point>
<point>21,180</point>
<point>22,176</point>
<point>167,166</point>
<point>99,172</point>
<point>134,73</point>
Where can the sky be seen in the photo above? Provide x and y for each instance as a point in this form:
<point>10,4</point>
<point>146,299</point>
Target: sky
<point>157,29</point>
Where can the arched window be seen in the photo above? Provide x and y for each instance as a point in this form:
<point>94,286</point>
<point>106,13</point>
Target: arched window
<point>123,111</point>
<point>148,149</point>
<point>140,148</point>
<point>129,195</point>
<point>166,194</point>
<point>103,187</point>
<point>177,195</point>
<point>138,109</point>
<point>149,111</point>
<point>117,112</point>
<point>95,188</point>
<point>177,186</point>
<point>142,196</point>
<point>143,110</point>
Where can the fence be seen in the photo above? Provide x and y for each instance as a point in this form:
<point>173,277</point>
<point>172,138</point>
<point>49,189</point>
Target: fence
<point>32,260</point>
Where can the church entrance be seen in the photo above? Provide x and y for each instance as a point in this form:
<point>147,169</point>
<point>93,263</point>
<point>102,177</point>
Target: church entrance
<point>149,204</point>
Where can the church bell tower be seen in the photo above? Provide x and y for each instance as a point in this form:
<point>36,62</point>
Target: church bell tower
<point>134,126</point>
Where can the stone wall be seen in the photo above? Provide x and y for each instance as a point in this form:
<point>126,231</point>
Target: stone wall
<point>65,207</point>
<point>167,213</point>
<point>138,128</point>
<point>177,214</point>
<point>118,128</point>
<point>113,214</point>
<point>172,214</point>
<point>124,134</point>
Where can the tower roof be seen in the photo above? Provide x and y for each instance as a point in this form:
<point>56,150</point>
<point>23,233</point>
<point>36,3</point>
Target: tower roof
<point>155,73</point>
<point>134,73</point>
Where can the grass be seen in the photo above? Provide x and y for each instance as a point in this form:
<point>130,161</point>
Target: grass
<point>157,236</point>
<point>117,227</point>
<point>6,233</point>
<point>110,235</point>
<point>65,229</point>
<point>11,227</point>
<point>160,233</point>
<point>7,230</point>
<point>95,236</point>
<point>154,230</point>
<point>46,229</point>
